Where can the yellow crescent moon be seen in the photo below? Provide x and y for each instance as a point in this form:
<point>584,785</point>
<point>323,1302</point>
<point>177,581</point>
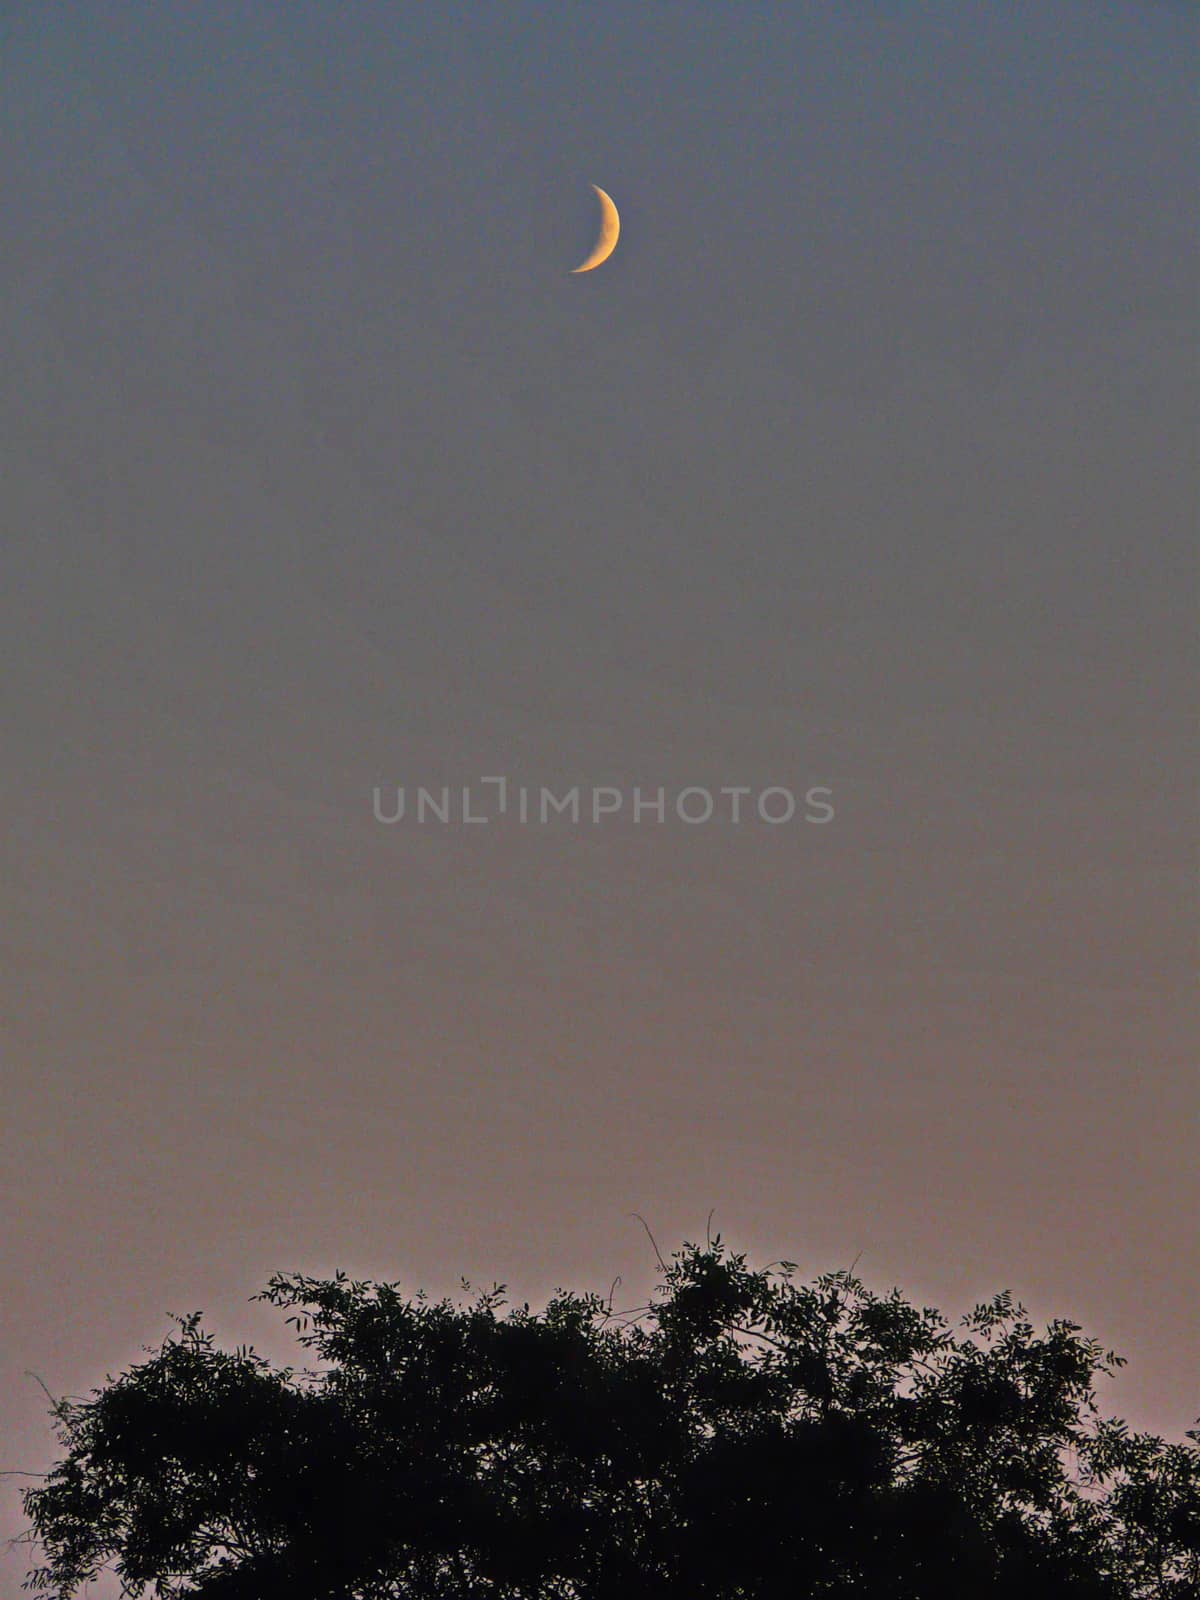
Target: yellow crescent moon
<point>610,232</point>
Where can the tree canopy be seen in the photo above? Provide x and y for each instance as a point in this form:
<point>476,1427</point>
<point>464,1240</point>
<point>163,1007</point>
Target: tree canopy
<point>744,1434</point>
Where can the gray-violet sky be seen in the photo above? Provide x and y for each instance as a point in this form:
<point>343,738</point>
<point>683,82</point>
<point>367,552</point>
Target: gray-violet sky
<point>866,462</point>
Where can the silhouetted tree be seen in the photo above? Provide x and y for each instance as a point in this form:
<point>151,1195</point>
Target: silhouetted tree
<point>743,1435</point>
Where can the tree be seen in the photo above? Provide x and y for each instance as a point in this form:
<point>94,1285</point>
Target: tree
<point>742,1435</point>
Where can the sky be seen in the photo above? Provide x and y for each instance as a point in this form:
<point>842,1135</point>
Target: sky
<point>865,465</point>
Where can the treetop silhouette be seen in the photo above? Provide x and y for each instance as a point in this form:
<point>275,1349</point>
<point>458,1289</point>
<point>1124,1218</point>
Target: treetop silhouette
<point>744,1434</point>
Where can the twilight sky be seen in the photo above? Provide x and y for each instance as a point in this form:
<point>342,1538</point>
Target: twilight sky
<point>866,463</point>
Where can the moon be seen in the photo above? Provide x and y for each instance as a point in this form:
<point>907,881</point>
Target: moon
<point>606,239</point>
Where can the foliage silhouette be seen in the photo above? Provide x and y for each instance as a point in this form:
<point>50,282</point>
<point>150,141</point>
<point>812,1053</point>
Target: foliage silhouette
<point>743,1435</point>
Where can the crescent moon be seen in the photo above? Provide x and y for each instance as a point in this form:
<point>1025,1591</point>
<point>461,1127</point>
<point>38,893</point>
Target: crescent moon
<point>610,232</point>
